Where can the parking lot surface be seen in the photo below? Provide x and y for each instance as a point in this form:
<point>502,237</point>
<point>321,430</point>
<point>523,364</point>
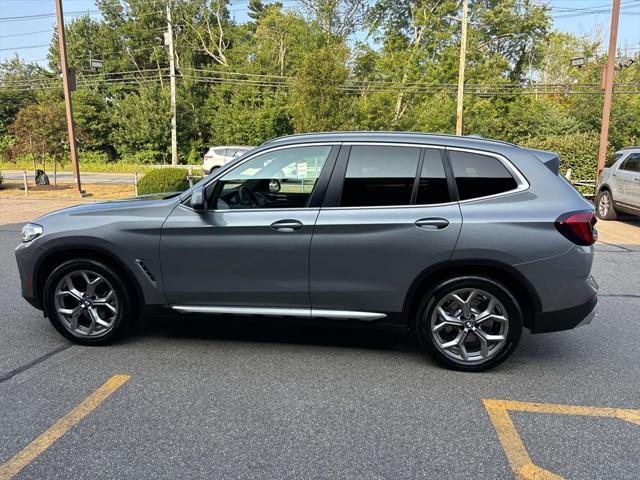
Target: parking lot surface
<point>197,397</point>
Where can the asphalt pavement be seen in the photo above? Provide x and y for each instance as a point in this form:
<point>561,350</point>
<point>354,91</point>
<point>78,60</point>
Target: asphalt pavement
<point>228,399</point>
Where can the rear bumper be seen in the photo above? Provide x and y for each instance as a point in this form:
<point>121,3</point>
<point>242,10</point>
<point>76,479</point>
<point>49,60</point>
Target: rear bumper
<point>567,318</point>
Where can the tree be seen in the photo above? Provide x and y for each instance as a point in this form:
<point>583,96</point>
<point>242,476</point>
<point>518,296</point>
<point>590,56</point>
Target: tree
<point>40,131</point>
<point>317,101</point>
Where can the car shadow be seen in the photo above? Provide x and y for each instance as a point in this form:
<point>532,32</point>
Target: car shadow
<point>273,330</point>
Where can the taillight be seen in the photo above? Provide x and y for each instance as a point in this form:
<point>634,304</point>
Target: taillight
<point>579,227</point>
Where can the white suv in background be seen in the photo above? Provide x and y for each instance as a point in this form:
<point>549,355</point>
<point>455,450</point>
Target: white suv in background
<point>618,188</point>
<point>218,156</point>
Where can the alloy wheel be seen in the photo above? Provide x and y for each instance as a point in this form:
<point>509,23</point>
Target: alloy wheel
<point>604,204</point>
<point>469,326</point>
<point>86,303</point>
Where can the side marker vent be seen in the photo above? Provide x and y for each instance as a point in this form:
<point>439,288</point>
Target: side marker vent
<point>146,271</point>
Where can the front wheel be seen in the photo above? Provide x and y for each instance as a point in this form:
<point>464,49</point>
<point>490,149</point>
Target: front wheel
<point>88,302</point>
<point>469,323</point>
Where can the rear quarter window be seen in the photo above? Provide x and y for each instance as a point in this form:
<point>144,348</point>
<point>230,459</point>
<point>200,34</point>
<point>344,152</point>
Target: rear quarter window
<point>478,175</point>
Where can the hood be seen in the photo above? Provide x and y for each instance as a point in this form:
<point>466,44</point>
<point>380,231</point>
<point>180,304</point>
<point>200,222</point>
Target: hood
<point>155,199</point>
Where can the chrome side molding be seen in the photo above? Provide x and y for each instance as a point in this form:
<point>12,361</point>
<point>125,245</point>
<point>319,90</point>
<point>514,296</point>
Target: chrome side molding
<point>280,312</point>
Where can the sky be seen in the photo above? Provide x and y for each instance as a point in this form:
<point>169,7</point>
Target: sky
<point>30,37</point>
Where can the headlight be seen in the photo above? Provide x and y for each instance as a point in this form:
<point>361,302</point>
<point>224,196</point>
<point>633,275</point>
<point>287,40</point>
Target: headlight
<point>31,231</point>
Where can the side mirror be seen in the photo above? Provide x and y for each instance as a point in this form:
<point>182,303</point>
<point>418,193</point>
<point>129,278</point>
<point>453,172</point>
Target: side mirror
<point>197,201</point>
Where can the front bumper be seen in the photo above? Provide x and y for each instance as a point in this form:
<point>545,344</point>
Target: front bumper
<point>567,318</point>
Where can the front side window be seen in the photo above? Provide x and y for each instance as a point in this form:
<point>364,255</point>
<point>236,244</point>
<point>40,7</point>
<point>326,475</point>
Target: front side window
<point>631,163</point>
<point>479,175</point>
<point>278,179</point>
<point>433,187</point>
<point>379,176</point>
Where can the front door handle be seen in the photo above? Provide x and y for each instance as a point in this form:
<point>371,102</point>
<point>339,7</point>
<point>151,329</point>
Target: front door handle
<point>286,225</point>
<point>432,223</point>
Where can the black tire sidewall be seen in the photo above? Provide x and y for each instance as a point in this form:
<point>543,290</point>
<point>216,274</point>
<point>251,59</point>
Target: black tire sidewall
<point>126,313</point>
<point>422,325</point>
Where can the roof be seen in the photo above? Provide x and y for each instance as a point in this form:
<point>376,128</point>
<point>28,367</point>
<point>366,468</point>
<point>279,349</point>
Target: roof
<point>404,137</point>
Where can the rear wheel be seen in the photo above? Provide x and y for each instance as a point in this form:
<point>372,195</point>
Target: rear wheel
<point>604,206</point>
<point>88,303</point>
<point>469,323</point>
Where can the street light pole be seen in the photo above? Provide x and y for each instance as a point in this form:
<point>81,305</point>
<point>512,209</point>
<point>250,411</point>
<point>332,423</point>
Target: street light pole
<point>463,55</point>
<point>62,46</point>
<point>608,87</point>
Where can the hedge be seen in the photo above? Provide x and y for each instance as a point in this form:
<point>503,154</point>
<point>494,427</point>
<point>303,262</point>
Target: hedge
<point>578,151</point>
<point>164,180</point>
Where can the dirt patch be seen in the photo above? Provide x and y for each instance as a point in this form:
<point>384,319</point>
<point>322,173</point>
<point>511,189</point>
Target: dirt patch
<point>15,189</point>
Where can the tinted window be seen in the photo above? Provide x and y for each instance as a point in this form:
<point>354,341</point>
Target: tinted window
<point>632,162</point>
<point>479,175</point>
<point>433,186</point>
<point>278,179</point>
<point>380,175</point>
<point>612,160</point>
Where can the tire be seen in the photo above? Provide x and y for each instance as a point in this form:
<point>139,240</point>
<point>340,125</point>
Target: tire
<point>108,296</point>
<point>604,206</point>
<point>503,319</point>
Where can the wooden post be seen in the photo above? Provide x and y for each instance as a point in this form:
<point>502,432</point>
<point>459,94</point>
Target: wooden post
<point>67,96</point>
<point>135,184</point>
<point>26,186</point>
<point>463,55</point>
<point>190,177</point>
<point>608,87</point>
<point>172,88</point>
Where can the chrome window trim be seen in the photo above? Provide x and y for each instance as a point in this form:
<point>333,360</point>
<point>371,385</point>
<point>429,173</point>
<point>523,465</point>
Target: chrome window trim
<point>280,312</point>
<point>521,181</point>
<point>394,144</point>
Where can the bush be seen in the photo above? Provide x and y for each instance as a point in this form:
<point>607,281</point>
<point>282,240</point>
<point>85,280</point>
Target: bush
<point>145,157</point>
<point>578,151</point>
<point>90,157</point>
<point>164,180</point>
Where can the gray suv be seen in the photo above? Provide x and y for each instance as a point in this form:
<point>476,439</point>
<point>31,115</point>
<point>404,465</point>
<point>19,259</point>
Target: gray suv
<point>618,187</point>
<point>461,241</point>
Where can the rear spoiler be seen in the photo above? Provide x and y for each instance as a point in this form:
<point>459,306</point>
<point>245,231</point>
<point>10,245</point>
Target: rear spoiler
<point>550,159</point>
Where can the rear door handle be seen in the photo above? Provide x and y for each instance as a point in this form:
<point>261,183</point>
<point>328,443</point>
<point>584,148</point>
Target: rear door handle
<point>432,223</point>
<point>286,225</point>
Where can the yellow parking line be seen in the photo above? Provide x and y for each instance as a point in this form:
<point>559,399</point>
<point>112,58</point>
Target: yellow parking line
<point>630,241</point>
<point>519,460</point>
<point>53,433</point>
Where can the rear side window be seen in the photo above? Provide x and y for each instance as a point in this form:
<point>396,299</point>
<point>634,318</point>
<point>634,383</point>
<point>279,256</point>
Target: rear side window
<point>632,163</point>
<point>379,176</point>
<point>433,187</point>
<point>480,175</point>
<point>614,158</point>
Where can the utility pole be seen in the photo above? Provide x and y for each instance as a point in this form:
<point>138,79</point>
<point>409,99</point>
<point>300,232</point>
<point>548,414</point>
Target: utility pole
<point>62,46</point>
<point>609,70</point>
<point>172,86</point>
<point>463,55</point>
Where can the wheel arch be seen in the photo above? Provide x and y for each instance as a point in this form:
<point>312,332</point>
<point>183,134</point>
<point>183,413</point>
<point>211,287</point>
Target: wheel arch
<point>500,272</point>
<point>54,258</point>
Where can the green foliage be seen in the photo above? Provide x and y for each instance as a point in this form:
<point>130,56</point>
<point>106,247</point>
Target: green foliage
<point>92,158</point>
<point>578,151</point>
<point>146,157</point>
<point>322,65</point>
<point>163,180</point>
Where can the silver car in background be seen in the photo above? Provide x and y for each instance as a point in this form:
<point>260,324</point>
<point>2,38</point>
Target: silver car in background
<point>618,188</point>
<point>218,156</point>
<point>461,241</point>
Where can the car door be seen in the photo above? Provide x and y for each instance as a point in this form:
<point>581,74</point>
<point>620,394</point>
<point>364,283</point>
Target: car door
<point>388,215</point>
<point>250,248</point>
<point>629,181</point>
